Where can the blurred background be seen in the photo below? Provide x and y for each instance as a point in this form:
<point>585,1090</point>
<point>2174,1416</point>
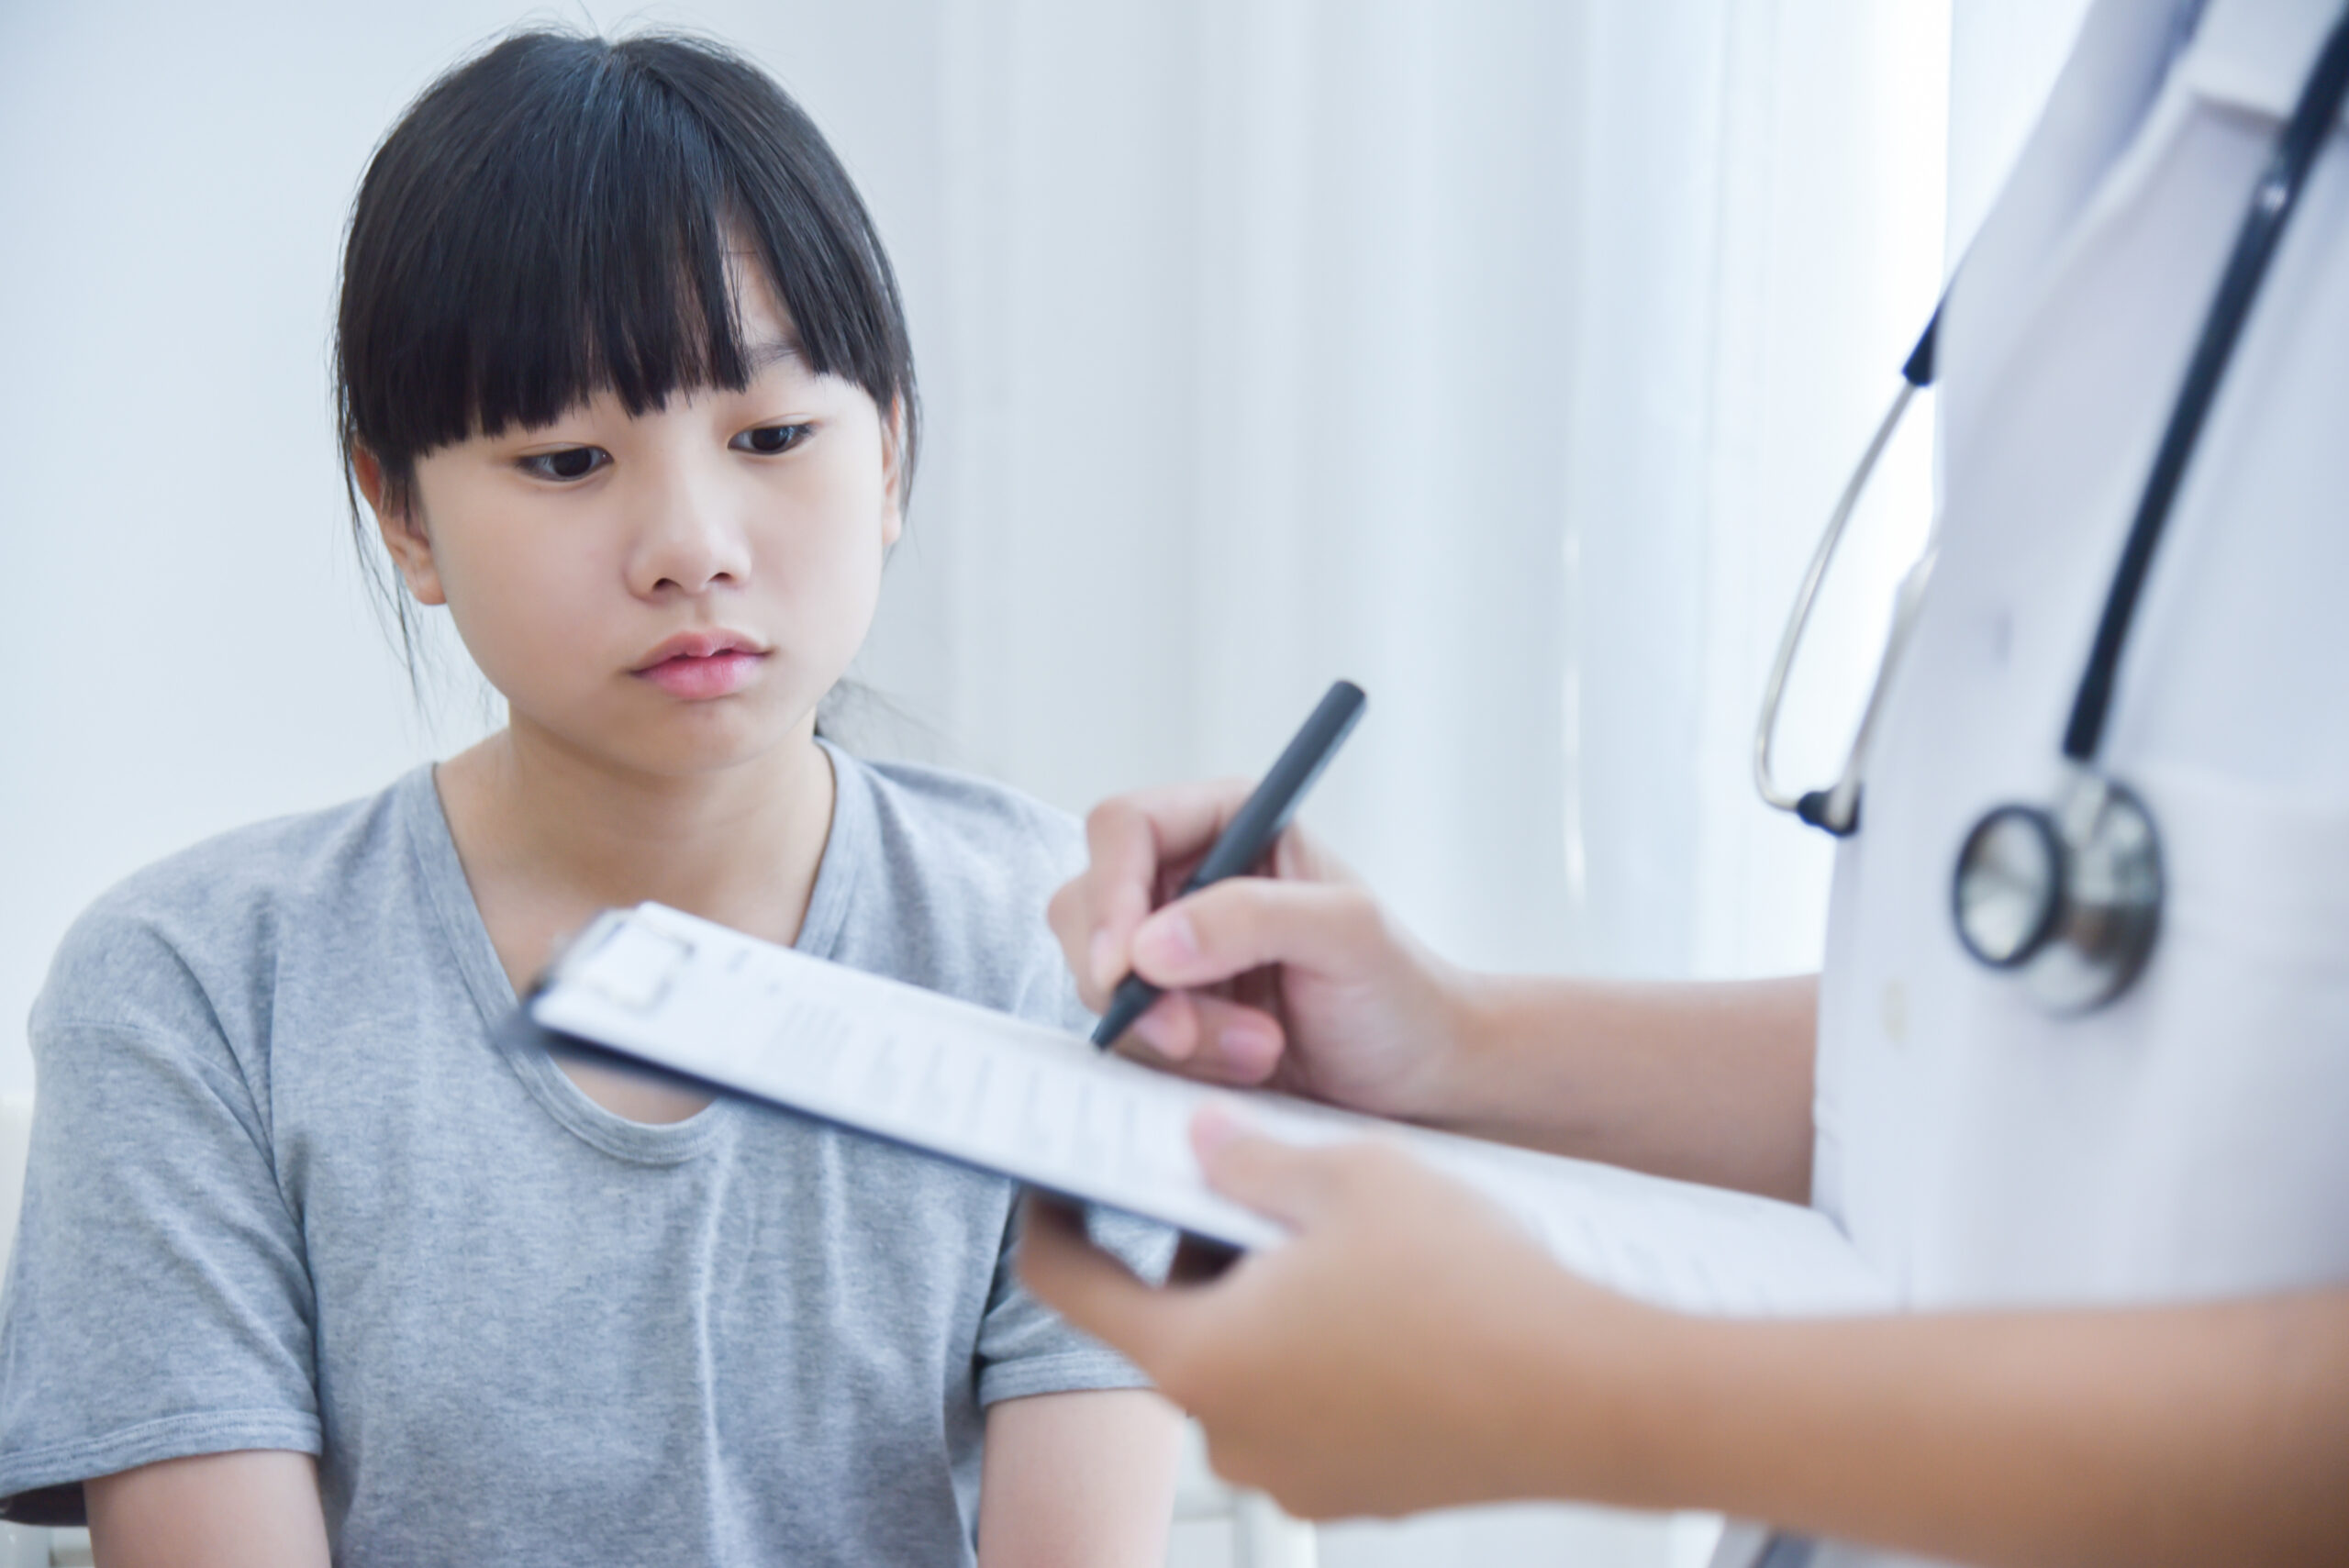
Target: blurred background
<point>1504,358</point>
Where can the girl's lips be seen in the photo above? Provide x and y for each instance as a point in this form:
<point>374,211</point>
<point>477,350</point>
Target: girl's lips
<point>699,678</point>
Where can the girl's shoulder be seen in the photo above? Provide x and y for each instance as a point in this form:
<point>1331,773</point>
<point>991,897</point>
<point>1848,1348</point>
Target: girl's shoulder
<point>958,814</point>
<point>941,878</point>
<point>192,929</point>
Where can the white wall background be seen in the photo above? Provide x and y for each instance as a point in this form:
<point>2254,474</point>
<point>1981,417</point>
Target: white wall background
<point>1503,357</point>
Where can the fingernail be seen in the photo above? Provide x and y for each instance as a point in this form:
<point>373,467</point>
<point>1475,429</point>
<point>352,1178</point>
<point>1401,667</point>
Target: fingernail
<point>1168,938</point>
<point>1104,959</point>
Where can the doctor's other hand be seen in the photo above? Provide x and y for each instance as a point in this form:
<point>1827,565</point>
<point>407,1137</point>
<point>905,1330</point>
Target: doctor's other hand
<point>1407,1348</point>
<point>1295,978</point>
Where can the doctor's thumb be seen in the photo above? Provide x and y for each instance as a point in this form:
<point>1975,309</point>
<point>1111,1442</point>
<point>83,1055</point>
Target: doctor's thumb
<point>1251,922</point>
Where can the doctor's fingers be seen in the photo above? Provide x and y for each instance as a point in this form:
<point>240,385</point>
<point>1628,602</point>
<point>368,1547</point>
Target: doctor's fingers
<point>1334,928</point>
<point>1216,1040</point>
<point>1301,1188</point>
<point>1132,840</point>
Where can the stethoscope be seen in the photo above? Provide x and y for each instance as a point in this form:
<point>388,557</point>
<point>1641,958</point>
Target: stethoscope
<point>2066,896</point>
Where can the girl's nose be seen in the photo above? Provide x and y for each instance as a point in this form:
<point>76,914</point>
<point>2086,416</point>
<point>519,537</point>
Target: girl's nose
<point>688,542</point>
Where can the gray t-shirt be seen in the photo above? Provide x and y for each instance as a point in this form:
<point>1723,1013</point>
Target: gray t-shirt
<point>288,1190</point>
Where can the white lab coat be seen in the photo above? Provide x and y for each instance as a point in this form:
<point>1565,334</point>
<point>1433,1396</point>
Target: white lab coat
<point>2190,1140</point>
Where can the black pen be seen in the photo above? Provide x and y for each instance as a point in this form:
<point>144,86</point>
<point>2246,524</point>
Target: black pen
<point>1251,832</point>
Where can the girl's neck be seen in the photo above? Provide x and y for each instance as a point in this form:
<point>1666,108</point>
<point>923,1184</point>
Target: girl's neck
<point>548,835</point>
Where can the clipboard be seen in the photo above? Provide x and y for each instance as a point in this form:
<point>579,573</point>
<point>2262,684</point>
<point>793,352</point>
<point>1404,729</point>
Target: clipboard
<point>665,992</point>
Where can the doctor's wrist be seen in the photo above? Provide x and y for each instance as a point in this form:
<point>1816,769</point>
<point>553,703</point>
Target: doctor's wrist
<point>1456,1067</point>
<point>1513,1061</point>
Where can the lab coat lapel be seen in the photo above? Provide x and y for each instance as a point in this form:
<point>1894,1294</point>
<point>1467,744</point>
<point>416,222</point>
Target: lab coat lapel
<point>2051,201</point>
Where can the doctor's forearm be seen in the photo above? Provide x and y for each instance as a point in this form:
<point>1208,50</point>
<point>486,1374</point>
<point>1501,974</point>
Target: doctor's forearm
<point>1703,1081</point>
<point>2183,1435</point>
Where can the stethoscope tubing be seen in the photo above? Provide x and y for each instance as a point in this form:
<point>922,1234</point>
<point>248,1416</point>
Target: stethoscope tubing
<point>2273,203</point>
<point>1836,808</point>
<point>2298,148</point>
<point>1774,690</point>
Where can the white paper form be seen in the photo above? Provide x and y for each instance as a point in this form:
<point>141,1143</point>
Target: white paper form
<point>1045,1107</point>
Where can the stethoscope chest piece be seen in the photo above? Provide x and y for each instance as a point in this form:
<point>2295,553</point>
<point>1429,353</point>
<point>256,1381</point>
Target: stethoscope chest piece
<point>2069,899</point>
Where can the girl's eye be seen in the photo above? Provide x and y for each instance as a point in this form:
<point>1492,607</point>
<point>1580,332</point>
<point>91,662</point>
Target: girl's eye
<point>570,464</point>
<point>769,439</point>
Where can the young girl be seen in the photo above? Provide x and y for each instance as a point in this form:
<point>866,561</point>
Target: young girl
<point>310,1263</point>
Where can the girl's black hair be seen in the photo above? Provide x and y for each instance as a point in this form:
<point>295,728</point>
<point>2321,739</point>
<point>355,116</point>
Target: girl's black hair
<point>550,220</point>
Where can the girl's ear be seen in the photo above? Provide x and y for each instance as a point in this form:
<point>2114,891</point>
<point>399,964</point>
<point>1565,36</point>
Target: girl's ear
<point>893,474</point>
<point>402,534</point>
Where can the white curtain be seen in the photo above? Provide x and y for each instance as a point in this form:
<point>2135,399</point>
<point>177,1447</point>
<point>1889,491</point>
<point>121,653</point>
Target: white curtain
<point>1502,358</point>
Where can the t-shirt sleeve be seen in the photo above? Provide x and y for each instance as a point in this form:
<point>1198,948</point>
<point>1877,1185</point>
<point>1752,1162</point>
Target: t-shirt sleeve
<point>158,1303</point>
<point>1024,1347</point>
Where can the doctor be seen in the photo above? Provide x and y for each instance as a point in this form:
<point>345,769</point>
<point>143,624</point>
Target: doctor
<point>2077,1074</point>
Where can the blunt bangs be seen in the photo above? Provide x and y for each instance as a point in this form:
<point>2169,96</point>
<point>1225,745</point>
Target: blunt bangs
<point>551,221</point>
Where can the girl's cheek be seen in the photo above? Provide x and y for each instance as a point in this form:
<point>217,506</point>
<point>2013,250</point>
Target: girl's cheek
<point>527,613</point>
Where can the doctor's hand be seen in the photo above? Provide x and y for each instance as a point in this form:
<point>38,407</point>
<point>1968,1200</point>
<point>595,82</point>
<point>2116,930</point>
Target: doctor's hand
<point>1295,979</point>
<point>1408,1348</point>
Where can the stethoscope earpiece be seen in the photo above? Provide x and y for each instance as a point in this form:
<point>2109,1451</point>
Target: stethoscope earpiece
<point>2069,900</point>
